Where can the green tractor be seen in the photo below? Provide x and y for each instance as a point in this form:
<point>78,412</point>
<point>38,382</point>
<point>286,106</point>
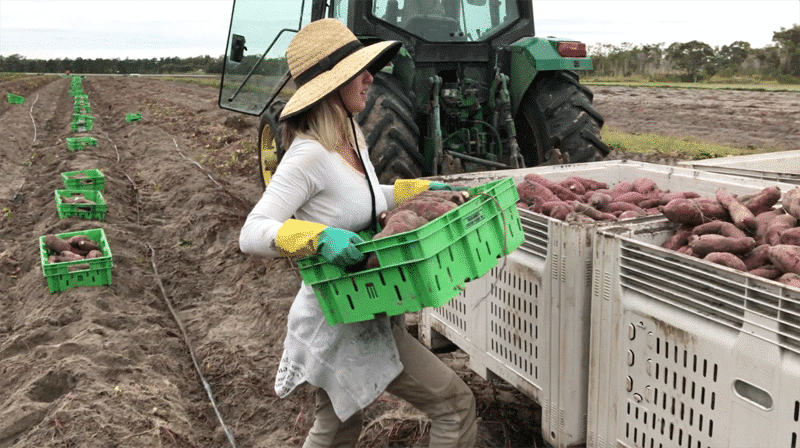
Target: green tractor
<point>472,89</point>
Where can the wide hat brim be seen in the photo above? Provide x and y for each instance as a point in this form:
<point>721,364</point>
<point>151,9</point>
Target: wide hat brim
<point>372,57</point>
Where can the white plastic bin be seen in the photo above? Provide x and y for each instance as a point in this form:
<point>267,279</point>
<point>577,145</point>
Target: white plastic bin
<point>528,320</point>
<point>783,166</point>
<point>686,353</point>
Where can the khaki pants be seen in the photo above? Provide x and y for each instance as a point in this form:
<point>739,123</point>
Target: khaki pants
<point>425,382</point>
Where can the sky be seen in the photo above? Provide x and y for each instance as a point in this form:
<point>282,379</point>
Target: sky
<point>50,29</point>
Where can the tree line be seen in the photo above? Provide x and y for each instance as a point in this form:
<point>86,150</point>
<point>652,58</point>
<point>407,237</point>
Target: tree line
<point>697,61</point>
<point>689,61</point>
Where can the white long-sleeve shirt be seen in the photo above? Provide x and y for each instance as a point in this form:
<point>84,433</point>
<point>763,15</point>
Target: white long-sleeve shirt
<point>354,362</point>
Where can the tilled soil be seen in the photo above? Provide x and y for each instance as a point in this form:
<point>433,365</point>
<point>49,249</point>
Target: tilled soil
<point>116,366</point>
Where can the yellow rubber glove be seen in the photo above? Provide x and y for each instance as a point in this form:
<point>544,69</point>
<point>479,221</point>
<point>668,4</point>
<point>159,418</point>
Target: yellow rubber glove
<point>299,238</point>
<point>405,189</point>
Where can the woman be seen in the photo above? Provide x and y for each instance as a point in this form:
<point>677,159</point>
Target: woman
<point>323,191</point>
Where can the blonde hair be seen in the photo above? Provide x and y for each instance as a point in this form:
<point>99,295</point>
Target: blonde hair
<point>326,123</point>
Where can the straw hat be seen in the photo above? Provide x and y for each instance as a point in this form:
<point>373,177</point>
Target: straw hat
<point>326,55</point>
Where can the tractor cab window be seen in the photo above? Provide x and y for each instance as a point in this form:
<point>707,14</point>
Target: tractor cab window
<point>448,20</point>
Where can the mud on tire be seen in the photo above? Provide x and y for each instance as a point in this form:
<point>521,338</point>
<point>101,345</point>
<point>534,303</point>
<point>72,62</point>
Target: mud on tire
<point>390,131</point>
<point>557,112</point>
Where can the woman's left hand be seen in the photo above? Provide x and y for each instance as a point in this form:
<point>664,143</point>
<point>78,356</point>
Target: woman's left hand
<point>444,186</point>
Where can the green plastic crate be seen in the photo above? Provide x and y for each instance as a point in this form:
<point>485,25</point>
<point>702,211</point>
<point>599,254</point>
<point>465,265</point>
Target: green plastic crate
<point>79,143</point>
<point>93,272</point>
<point>425,267</point>
<point>136,116</point>
<point>91,179</point>
<point>82,121</point>
<point>95,211</point>
<point>82,108</point>
<point>14,99</point>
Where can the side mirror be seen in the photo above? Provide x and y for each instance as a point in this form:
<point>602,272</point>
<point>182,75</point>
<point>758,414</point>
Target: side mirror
<point>392,12</point>
<point>477,2</point>
<point>237,48</point>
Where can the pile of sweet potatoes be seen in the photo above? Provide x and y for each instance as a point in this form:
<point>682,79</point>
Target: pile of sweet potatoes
<point>416,212</point>
<point>576,199</point>
<point>758,234</point>
<point>76,198</point>
<point>76,248</point>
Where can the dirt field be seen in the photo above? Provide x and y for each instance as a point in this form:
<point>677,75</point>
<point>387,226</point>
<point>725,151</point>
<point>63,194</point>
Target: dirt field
<point>109,366</point>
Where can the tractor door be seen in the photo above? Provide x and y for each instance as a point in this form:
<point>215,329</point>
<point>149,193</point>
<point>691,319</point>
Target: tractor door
<point>255,63</point>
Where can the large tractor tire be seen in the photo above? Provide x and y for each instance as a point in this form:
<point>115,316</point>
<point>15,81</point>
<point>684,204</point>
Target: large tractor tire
<point>269,147</point>
<point>556,113</point>
<point>390,131</point>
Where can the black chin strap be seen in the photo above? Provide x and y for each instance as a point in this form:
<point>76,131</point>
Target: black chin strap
<point>373,224</point>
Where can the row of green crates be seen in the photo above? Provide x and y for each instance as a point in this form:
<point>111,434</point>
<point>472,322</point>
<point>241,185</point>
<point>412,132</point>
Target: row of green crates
<point>60,276</point>
<point>89,184</point>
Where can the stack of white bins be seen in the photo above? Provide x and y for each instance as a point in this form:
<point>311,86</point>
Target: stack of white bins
<point>529,320</point>
<point>781,166</point>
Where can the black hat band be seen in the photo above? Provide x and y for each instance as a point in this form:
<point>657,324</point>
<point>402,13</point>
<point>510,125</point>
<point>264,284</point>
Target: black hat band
<point>328,62</point>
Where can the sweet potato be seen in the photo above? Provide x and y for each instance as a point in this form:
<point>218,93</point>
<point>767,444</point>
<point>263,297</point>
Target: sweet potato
<point>790,279</point>
<point>723,228</point>
<point>68,255</point>
<point>644,185</point>
<point>785,257</point>
<point>591,212</point>
<point>776,226</point>
<point>665,198</point>
<point>565,194</point>
<point>579,218</point>
<point>561,211</point>
<point>622,207</point>
<point>533,192</point>
<point>86,245</point>
<point>726,259</point>
<point>679,239</point>
<point>401,220</point>
<point>705,244</point>
<point>426,207</point>
<point>547,207</point>
<point>620,188</point>
<point>77,199</point>
<point>599,200</point>
<point>741,216</point>
<point>791,202</point>
<point>590,184</point>
<point>756,257</point>
<point>56,244</point>
<point>541,180</point>
<point>522,206</point>
<point>791,236</point>
<point>94,254</point>
<point>630,214</point>
<point>763,221</point>
<point>693,211</point>
<point>767,271</point>
<point>631,197</point>
<point>574,185</point>
<point>457,197</point>
<point>763,201</point>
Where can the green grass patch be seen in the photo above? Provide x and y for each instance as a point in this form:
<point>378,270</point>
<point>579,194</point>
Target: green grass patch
<point>686,148</point>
